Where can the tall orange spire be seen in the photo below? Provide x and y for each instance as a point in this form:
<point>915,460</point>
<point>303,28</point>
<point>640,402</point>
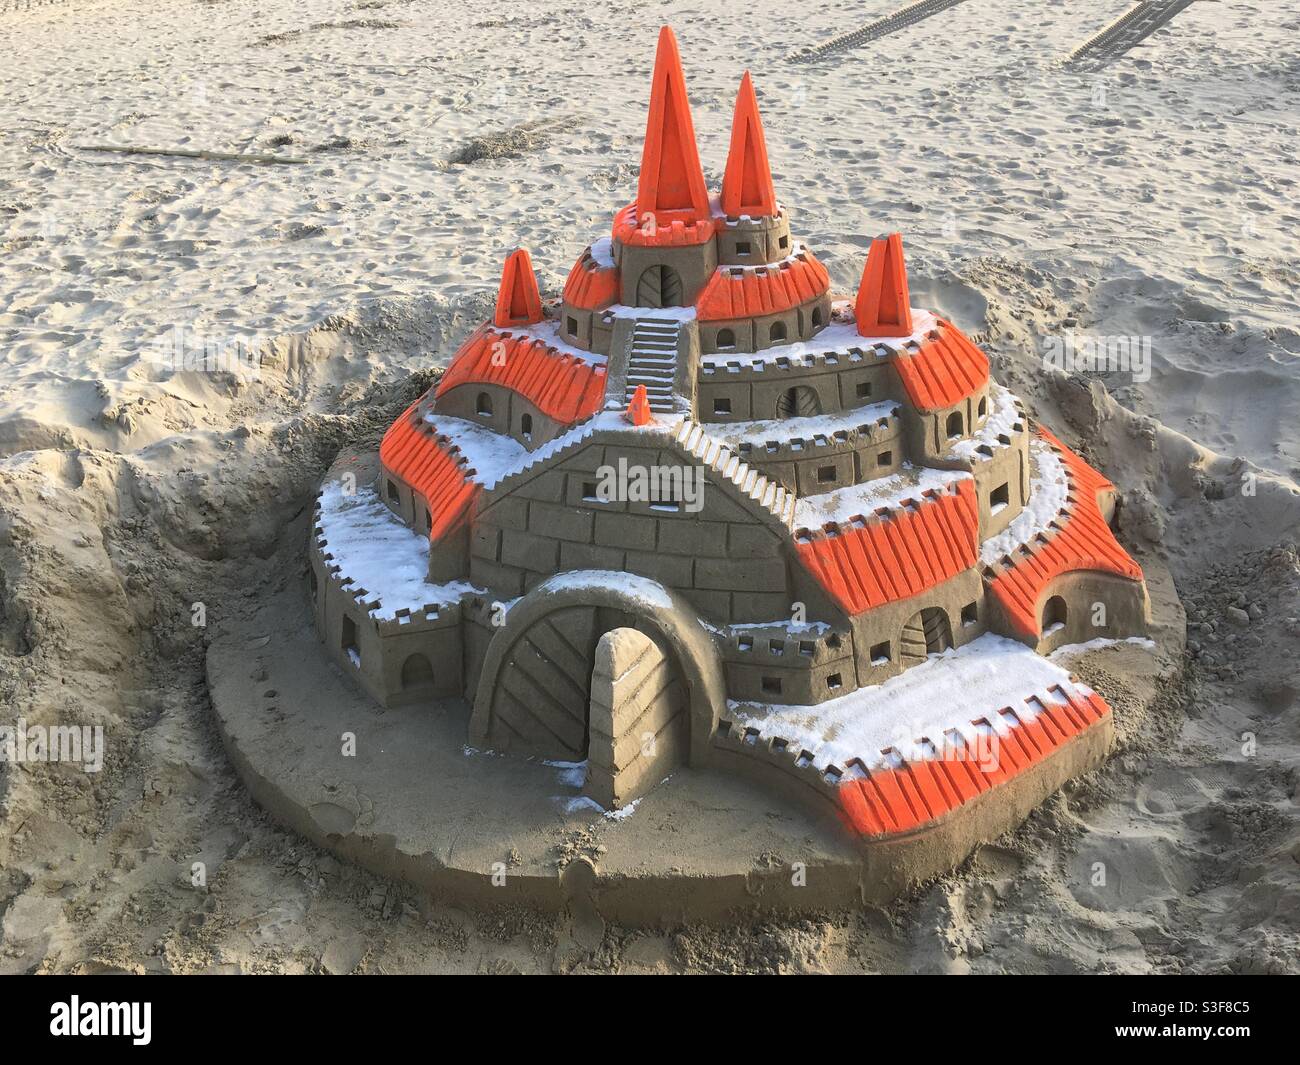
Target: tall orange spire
<point>747,184</point>
<point>672,183</point>
<point>883,308</point>
<point>518,300</point>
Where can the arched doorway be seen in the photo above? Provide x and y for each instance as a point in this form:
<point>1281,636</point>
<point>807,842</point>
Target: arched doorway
<point>927,633</point>
<point>1055,615</point>
<point>417,673</point>
<point>659,286</point>
<point>798,402</point>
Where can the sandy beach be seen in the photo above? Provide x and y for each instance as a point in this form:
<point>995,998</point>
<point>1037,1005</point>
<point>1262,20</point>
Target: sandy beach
<point>187,340</point>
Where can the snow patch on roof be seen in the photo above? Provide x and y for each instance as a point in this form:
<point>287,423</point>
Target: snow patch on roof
<point>783,430</point>
<point>1003,415</point>
<point>489,454</point>
<point>375,549</point>
<point>838,338</point>
<point>946,693</point>
<point>1049,483</point>
<point>863,500</point>
<point>549,333</point>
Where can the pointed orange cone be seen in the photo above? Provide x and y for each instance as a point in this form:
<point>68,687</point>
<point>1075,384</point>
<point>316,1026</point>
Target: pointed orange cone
<point>883,308</point>
<point>638,411</point>
<point>518,301</point>
<point>671,186</point>
<point>747,184</point>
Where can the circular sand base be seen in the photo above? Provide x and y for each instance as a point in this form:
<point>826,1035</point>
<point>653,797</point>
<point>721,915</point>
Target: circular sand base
<point>399,792</point>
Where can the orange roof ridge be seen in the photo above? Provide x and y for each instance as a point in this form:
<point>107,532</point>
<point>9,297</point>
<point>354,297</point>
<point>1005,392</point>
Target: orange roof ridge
<point>518,300</point>
<point>883,308</point>
<point>747,184</point>
<point>671,187</point>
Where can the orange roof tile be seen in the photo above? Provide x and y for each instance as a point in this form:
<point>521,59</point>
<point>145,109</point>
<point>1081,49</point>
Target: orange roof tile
<point>733,292</point>
<point>651,231</point>
<point>558,384</point>
<point>894,800</point>
<point>426,462</point>
<point>591,286</point>
<point>1080,541</point>
<point>946,369</point>
<point>901,554</point>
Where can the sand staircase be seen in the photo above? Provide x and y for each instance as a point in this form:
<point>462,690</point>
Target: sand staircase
<point>725,463</point>
<point>652,361</point>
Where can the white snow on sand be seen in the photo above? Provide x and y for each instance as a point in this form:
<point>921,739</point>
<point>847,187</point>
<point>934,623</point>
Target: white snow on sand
<point>1049,485</point>
<point>942,695</point>
<point>490,455</point>
<point>862,500</point>
<point>807,429</point>
<point>371,545</point>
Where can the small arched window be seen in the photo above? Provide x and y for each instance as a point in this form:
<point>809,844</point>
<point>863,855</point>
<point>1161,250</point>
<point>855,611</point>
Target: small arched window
<point>983,408</point>
<point>777,332</point>
<point>954,424</point>
<point>483,405</point>
<point>817,317</point>
<point>726,339</point>
<point>1055,614</point>
<point>526,427</point>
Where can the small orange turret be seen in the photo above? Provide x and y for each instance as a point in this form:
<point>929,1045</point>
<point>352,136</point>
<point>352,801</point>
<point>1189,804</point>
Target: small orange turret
<point>671,187</point>
<point>883,308</point>
<point>638,411</point>
<point>518,300</point>
<point>747,184</point>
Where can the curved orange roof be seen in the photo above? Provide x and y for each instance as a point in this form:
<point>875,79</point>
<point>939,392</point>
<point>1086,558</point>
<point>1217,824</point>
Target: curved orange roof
<point>558,384</point>
<point>901,798</point>
<point>904,553</point>
<point>430,466</point>
<point>630,227</point>
<point>1082,540</point>
<point>591,286</point>
<point>946,369</point>
<point>736,292</point>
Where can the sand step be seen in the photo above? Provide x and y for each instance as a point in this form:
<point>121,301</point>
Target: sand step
<point>652,361</point>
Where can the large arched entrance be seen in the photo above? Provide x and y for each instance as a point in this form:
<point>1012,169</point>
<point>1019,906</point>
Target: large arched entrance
<point>600,674</point>
<point>927,633</point>
<point>659,286</point>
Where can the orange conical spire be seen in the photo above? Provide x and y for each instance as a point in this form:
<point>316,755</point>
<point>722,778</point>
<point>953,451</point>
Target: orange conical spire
<point>747,184</point>
<point>883,308</point>
<point>638,411</point>
<point>672,183</point>
<point>518,301</point>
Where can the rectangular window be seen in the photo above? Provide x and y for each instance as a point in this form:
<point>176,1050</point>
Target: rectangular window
<point>880,653</point>
<point>833,681</point>
<point>772,685</point>
<point>999,497</point>
<point>571,324</point>
<point>970,614</point>
<point>742,247</point>
<point>864,389</point>
<point>777,647</point>
<point>722,406</point>
<point>784,242</point>
<point>825,473</point>
<point>745,643</point>
<point>884,458</point>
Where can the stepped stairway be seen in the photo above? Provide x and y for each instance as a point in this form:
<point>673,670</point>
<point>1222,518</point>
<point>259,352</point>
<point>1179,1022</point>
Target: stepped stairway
<point>652,361</point>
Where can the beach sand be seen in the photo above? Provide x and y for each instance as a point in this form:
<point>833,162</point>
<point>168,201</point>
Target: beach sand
<point>186,342</point>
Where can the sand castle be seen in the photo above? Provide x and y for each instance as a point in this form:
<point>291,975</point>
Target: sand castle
<point>701,512</point>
